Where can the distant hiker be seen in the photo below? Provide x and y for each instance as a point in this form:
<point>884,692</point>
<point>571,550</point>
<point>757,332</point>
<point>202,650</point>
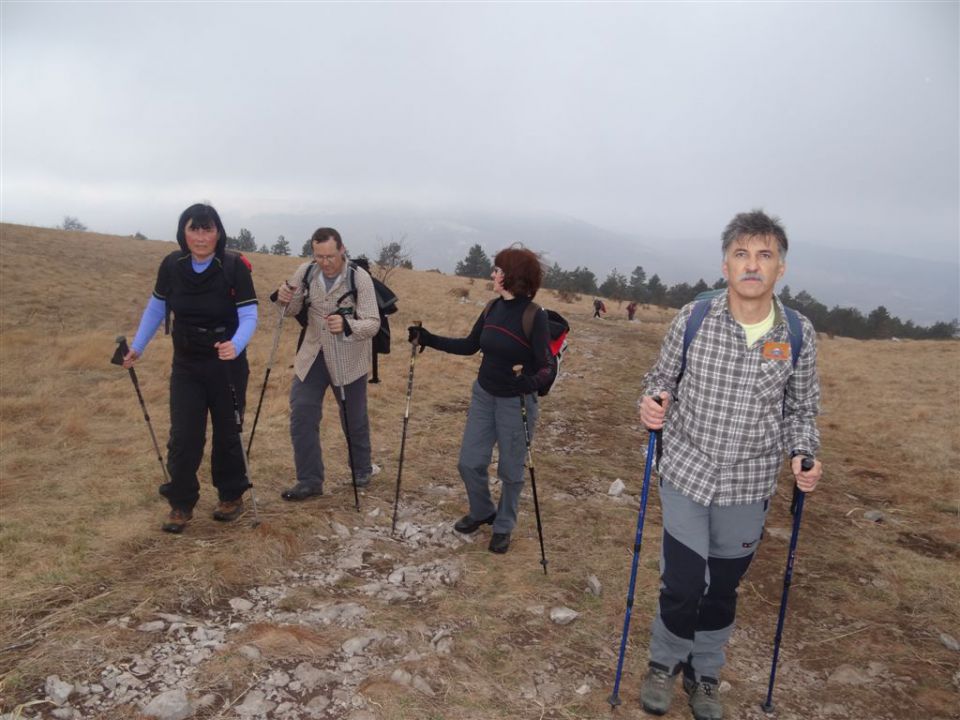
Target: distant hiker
<point>598,307</point>
<point>728,415</point>
<point>210,291</point>
<point>341,321</point>
<point>631,310</point>
<point>494,414</point>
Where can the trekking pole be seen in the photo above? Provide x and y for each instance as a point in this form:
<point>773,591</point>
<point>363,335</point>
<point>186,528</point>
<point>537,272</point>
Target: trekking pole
<point>117,359</point>
<point>533,477</point>
<point>346,421</point>
<point>796,507</point>
<point>614,699</point>
<point>266,377</point>
<point>238,419</point>
<point>403,435</point>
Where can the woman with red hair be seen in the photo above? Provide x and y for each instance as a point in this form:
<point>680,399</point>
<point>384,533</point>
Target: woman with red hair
<point>512,330</point>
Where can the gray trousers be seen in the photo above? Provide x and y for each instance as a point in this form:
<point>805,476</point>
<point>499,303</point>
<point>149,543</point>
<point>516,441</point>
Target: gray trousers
<point>706,551</point>
<point>497,420</point>
<point>306,410</point>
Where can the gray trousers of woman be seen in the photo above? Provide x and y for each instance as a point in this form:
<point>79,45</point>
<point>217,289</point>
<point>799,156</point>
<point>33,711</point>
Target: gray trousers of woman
<point>496,421</point>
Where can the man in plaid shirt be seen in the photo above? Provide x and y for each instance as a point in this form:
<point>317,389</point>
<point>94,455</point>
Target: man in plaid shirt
<point>727,423</point>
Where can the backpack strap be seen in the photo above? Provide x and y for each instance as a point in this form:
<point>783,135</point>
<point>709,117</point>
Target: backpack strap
<point>795,333</point>
<point>529,315</point>
<point>694,322</point>
<point>487,307</point>
<point>305,307</point>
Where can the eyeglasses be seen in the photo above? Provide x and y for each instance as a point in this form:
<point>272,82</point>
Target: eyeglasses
<point>326,258</point>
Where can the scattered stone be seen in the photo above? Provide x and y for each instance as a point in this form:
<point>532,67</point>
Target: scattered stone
<point>240,605</point>
<point>358,644</point>
<point>874,516</point>
<point>616,488</point>
<point>423,686</point>
<point>169,705</point>
<point>152,626</point>
<point>64,713</point>
<point>848,675</point>
<point>341,531</point>
<point>777,532</point>
<point>956,679</point>
<point>949,642</point>
<point>563,615</point>
<point>593,585</point>
<point>58,691</point>
<point>317,707</point>
<point>250,652</point>
<point>255,703</point>
<point>583,689</point>
<point>278,678</point>
<point>308,675</point>
<point>401,677</point>
<point>374,513</point>
<point>536,609</point>
<point>724,686</point>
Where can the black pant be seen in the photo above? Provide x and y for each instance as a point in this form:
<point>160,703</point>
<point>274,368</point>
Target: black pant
<point>200,384</point>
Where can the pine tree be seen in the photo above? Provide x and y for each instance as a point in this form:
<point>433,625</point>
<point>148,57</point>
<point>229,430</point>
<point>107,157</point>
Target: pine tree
<point>476,264</point>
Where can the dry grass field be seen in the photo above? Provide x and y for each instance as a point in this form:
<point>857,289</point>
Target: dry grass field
<point>80,543</point>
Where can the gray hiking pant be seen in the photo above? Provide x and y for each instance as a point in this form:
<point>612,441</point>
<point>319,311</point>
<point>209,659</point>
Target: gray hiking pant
<point>706,551</point>
<point>490,420</point>
<point>306,410</point>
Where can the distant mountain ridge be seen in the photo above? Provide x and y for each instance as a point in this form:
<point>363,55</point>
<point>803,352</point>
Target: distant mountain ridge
<point>924,291</point>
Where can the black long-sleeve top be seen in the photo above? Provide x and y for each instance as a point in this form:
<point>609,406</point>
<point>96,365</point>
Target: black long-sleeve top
<point>498,333</point>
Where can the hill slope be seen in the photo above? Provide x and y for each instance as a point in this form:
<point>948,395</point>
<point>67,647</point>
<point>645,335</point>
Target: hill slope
<point>319,612</point>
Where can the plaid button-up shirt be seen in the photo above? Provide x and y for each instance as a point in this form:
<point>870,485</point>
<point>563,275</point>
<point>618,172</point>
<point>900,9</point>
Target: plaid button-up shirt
<point>737,410</point>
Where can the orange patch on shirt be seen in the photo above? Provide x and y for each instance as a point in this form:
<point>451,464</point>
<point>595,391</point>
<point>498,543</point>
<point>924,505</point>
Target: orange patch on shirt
<point>776,351</point>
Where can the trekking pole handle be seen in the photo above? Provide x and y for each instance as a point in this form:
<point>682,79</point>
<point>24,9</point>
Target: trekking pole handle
<point>517,369</point>
<point>807,463</point>
<point>122,350</point>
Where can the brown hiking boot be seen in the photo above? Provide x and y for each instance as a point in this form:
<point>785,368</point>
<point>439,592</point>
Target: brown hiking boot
<point>228,510</point>
<point>177,520</point>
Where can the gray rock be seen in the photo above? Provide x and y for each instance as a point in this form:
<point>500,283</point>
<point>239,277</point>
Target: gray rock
<point>255,703</point>
<point>949,642</point>
<point>593,585</point>
<point>423,686</point>
<point>341,531</point>
<point>250,652</point>
<point>278,678</point>
<point>170,705</point>
<point>64,713</point>
<point>616,488</point>
<point>563,615</point>
<point>152,626</point>
<point>317,707</point>
<point>583,689</point>
<point>308,675</point>
<point>724,686</point>
<point>848,675</point>
<point>58,691</point>
<point>401,677</point>
<point>240,604</point>
<point>873,516</point>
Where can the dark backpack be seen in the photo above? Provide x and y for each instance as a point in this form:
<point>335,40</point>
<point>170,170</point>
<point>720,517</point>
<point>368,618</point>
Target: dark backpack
<point>558,329</point>
<point>229,264</point>
<point>386,305</point>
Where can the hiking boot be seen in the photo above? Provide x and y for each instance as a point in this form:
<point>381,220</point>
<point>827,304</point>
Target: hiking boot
<point>228,510</point>
<point>467,524</point>
<point>177,520</point>
<point>301,491</point>
<point>656,692</point>
<point>363,479</point>
<point>704,698</point>
<point>499,543</point>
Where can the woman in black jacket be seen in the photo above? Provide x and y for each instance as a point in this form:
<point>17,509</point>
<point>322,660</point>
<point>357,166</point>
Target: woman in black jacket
<point>511,331</point>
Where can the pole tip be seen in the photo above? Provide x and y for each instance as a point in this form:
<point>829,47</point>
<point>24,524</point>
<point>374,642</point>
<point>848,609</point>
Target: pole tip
<point>614,701</point>
<point>767,706</point>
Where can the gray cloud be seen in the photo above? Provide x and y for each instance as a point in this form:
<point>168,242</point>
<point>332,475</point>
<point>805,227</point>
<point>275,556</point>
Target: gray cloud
<point>654,119</point>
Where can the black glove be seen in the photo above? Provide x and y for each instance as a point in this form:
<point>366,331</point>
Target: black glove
<point>419,335</point>
<point>524,384</point>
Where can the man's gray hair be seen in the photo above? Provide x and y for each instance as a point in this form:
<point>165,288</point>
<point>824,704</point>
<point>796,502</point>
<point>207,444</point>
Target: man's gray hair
<point>755,223</point>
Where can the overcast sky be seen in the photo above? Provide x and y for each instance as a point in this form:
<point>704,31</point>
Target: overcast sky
<point>657,119</point>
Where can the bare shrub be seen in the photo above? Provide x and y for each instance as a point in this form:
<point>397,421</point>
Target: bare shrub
<point>459,293</point>
<point>568,296</point>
